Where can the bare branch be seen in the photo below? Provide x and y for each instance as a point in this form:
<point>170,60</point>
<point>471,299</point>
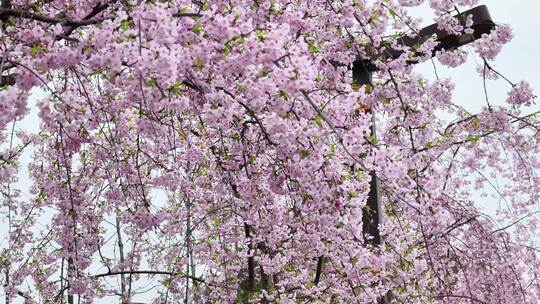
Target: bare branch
<point>149,272</point>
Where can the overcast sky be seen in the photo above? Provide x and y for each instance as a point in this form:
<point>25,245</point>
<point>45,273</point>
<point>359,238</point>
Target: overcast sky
<point>518,60</point>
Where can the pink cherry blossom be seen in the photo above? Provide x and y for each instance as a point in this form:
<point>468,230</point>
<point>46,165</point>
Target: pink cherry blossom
<point>521,93</point>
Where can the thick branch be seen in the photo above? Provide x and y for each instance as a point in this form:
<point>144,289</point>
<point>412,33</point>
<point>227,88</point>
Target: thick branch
<point>88,20</point>
<point>187,15</point>
<point>251,260</point>
<point>320,264</point>
<point>51,20</point>
<point>149,272</point>
<point>100,7</point>
<point>7,80</point>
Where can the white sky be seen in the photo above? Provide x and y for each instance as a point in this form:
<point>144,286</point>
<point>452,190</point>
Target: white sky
<point>518,60</point>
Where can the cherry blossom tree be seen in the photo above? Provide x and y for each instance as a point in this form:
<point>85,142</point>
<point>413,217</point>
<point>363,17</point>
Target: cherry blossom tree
<point>219,152</point>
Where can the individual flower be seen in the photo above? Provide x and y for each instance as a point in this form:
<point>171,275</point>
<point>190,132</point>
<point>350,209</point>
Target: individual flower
<point>487,46</point>
<point>452,58</point>
<point>504,33</point>
<point>521,93</point>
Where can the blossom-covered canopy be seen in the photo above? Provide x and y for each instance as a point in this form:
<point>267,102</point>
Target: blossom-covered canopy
<point>219,152</point>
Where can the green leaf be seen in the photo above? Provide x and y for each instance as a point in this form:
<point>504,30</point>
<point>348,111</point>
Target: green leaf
<point>226,49</point>
<point>475,122</point>
<point>152,82</point>
<point>284,94</point>
<point>473,138</point>
<point>198,63</point>
<point>260,34</point>
<point>313,48</point>
<point>124,25</point>
<point>356,86</point>
<point>128,5</point>
<point>36,7</point>
<point>35,49</point>
<point>205,6</point>
<point>231,43</point>
<point>86,48</point>
<point>235,136</point>
<point>368,88</point>
<point>372,139</point>
<point>318,121</point>
<point>176,89</point>
<point>332,148</point>
<point>197,28</point>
